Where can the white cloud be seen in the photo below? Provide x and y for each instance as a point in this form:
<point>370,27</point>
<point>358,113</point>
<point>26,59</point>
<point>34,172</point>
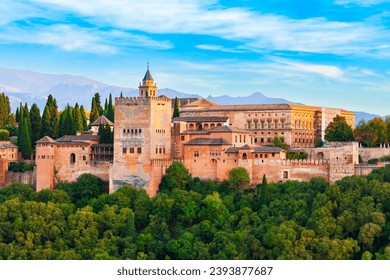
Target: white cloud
<point>218,48</point>
<point>75,38</point>
<point>258,31</point>
<point>363,3</point>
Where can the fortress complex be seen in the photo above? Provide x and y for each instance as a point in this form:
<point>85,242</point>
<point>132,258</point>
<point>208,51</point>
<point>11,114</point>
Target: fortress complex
<point>209,139</point>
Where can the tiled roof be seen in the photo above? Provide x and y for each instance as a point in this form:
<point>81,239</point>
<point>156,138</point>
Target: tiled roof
<point>147,76</point>
<point>267,149</point>
<point>246,146</point>
<point>233,150</point>
<point>208,141</point>
<point>250,107</point>
<point>46,139</point>
<point>82,137</point>
<point>200,119</point>
<point>73,143</point>
<point>7,145</point>
<point>228,129</point>
<point>102,120</point>
<point>102,146</point>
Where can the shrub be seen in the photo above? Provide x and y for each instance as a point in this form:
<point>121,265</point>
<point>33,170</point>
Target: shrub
<point>373,161</point>
<point>20,166</point>
<point>385,158</point>
<point>296,155</point>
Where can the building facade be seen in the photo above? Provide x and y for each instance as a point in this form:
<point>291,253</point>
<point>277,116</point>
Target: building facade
<point>209,139</point>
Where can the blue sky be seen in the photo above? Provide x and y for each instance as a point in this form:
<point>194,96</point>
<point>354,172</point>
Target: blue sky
<point>332,53</point>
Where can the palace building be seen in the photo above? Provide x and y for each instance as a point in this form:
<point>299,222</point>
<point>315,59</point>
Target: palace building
<point>209,139</point>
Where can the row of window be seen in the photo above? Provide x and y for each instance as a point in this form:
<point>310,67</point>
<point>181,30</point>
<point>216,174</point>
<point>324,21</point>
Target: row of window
<point>132,150</point>
<point>303,140</point>
<point>241,138</point>
<point>269,114</point>
<point>160,130</point>
<point>215,154</point>
<point>132,131</point>
<point>45,156</point>
<point>264,124</point>
<point>160,150</point>
<point>303,133</point>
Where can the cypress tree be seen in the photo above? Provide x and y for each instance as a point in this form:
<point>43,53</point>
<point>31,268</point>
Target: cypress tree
<point>176,112</point>
<point>26,115</point>
<point>36,123</point>
<point>54,118</point>
<point>121,94</point>
<point>20,125</point>
<point>24,140</point>
<point>110,109</point>
<point>50,118</point>
<point>46,129</point>
<point>83,118</point>
<point>17,114</point>
<point>77,119</point>
<point>68,130</point>
<point>94,115</point>
<point>105,108</point>
<point>5,110</point>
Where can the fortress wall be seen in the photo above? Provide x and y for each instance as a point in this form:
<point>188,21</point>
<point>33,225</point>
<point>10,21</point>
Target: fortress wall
<point>368,153</point>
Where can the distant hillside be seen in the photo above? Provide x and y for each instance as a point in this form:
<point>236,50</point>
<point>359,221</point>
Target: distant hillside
<point>254,98</point>
<point>33,87</point>
<point>366,116</point>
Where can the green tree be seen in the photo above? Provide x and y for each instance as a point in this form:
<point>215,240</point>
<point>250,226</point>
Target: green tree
<point>50,118</point>
<point>110,109</point>
<point>238,177</point>
<point>24,140</point>
<point>77,120</point>
<point>36,123</point>
<point>17,114</point>
<point>176,177</point>
<point>94,115</point>
<point>4,135</point>
<point>83,118</point>
<point>5,110</point>
<point>176,112</point>
<point>279,142</point>
<point>106,136</point>
<point>339,130</point>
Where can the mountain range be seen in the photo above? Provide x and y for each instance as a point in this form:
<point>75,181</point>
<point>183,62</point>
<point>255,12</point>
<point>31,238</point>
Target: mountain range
<point>33,87</point>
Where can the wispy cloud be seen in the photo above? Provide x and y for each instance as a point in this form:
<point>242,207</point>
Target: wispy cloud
<point>218,48</point>
<point>256,30</point>
<point>75,38</point>
<point>363,3</point>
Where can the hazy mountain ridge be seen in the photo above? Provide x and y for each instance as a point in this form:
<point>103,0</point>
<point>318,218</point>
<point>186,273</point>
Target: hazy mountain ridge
<point>33,87</point>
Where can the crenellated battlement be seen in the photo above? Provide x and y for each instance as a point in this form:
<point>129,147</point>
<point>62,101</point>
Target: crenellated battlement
<point>281,162</point>
<point>132,101</point>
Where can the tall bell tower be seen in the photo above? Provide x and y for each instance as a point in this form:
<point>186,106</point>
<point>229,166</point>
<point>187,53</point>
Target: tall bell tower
<point>148,87</point>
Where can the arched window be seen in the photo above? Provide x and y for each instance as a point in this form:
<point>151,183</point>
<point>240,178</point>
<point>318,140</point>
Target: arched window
<point>72,158</point>
<point>244,156</point>
<point>320,156</point>
<point>285,174</point>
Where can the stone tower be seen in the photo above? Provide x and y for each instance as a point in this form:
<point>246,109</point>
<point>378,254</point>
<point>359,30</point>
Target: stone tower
<point>142,135</point>
<point>148,87</point>
<point>45,154</point>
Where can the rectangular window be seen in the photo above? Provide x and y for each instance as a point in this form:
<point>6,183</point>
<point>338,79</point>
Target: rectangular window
<point>273,154</point>
<point>156,150</point>
<point>84,158</point>
<point>124,150</point>
<point>255,124</point>
<point>262,140</point>
<point>249,125</point>
<point>196,153</point>
<point>139,150</point>
<point>182,138</point>
<point>131,150</point>
<point>262,124</point>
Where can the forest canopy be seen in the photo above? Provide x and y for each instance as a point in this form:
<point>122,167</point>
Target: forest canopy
<point>199,220</point>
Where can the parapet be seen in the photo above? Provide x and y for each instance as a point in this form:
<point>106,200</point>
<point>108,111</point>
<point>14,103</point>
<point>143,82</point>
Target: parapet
<point>131,101</point>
